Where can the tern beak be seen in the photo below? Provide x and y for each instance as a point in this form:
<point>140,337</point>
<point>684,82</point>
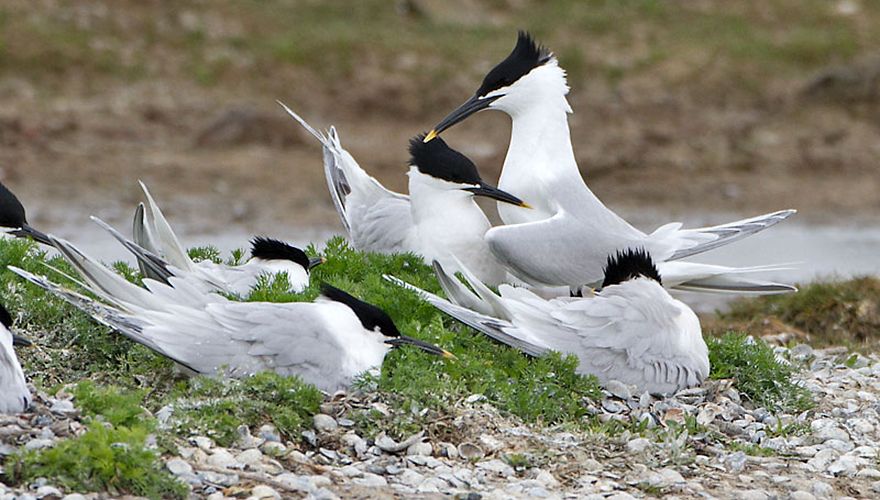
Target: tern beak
<point>316,261</point>
<point>471,106</point>
<point>18,340</point>
<point>496,194</point>
<point>425,346</point>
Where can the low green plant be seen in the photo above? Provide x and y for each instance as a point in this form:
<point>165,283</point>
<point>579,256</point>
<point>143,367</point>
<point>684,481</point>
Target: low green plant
<point>766,380</point>
<point>217,407</point>
<point>111,456</point>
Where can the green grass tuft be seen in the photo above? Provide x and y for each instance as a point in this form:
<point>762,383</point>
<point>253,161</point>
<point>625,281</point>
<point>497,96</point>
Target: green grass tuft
<point>216,407</point>
<point>111,456</point>
<point>759,375</point>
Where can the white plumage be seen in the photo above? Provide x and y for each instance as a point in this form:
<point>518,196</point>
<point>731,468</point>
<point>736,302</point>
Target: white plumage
<point>153,233</point>
<point>568,222</point>
<point>437,220</point>
<point>14,394</point>
<point>327,343</point>
<point>633,332</point>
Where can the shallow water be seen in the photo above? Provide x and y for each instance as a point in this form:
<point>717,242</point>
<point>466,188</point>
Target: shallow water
<point>813,251</point>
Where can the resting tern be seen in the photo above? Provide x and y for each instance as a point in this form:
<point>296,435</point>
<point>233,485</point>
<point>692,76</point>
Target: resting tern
<point>568,220</point>
<point>327,343</point>
<point>160,255</point>
<point>632,330</point>
<point>14,219</point>
<point>14,394</point>
<point>439,218</point>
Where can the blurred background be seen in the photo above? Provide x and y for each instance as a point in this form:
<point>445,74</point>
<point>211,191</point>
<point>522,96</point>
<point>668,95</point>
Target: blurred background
<point>698,110</point>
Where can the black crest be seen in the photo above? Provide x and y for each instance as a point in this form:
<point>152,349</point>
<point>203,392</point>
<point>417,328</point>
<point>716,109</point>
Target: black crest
<point>270,249</point>
<point>5,317</point>
<point>371,316</point>
<point>629,264</point>
<point>437,159</point>
<point>11,210</point>
<point>526,56</point>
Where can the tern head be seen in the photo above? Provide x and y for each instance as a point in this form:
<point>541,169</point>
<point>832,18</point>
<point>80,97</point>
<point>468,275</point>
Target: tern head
<point>630,264</point>
<point>12,212</point>
<point>376,320</point>
<point>270,249</point>
<point>513,84</point>
<point>453,170</point>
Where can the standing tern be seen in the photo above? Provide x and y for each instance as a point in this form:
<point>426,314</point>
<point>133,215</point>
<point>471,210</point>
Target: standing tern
<point>632,330</point>
<point>568,220</point>
<point>14,394</point>
<point>437,220</point>
<point>160,255</point>
<point>327,343</point>
<point>14,219</point>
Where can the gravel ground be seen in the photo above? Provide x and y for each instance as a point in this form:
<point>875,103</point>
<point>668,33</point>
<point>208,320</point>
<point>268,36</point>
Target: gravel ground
<point>735,451</point>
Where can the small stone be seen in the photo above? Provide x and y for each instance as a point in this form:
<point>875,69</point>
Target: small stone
<point>322,494</point>
<point>263,491</point>
<point>753,495</point>
<point>324,423</point>
<point>421,449</point>
<point>273,448</point>
<point>410,478</point>
<point>221,458</point>
<point>178,466</point>
<point>39,444</point>
<point>735,461</point>
<point>447,450</point>
<point>371,480</point>
<point>203,442</point>
<point>846,465</point>
<point>490,443</point>
<point>72,496</point>
<point>48,491</point>
<point>269,433</point>
<point>546,479</point>
<point>470,451</point>
<point>62,406</point>
<point>618,389</point>
<point>638,445</point>
<point>244,440</point>
<point>296,482</point>
<point>249,457</point>
<point>473,398</point>
<point>611,406</point>
<point>802,495</point>
<point>822,489</point>
<point>351,471</point>
<point>869,473</point>
<point>496,466</point>
<point>310,437</point>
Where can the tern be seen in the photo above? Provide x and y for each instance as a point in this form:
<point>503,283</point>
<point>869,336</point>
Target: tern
<point>568,221</point>
<point>327,343</point>
<point>14,394</point>
<point>437,220</point>
<point>632,330</point>
<point>160,255</point>
<point>13,218</point>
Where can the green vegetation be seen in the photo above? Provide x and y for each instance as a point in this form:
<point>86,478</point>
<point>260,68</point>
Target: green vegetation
<point>216,408</point>
<point>831,313</point>
<point>427,42</point>
<point>111,456</point>
<point>121,379</point>
<point>758,374</point>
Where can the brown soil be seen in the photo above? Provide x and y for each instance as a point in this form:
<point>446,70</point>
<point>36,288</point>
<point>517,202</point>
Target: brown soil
<point>75,142</point>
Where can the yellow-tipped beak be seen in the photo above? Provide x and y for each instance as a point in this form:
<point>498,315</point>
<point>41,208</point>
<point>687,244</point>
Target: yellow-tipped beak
<point>432,134</point>
<point>525,205</point>
<point>448,355</point>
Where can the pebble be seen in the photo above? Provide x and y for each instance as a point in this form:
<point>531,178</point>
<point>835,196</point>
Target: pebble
<point>263,491</point>
<point>221,458</point>
<point>618,389</point>
<point>638,445</point>
<point>470,451</point>
<point>178,466</point>
<point>420,449</point>
<point>324,423</point>
<point>371,480</point>
<point>801,495</point>
<point>249,457</point>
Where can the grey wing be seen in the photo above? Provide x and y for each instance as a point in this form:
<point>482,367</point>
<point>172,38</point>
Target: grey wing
<point>384,226</point>
<point>561,250</point>
<point>730,232</point>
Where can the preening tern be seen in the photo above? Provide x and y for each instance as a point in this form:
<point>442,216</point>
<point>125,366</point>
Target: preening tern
<point>160,255</point>
<point>14,394</point>
<point>568,221</point>
<point>327,342</point>
<point>13,218</point>
<point>439,218</point>
<point>632,330</point>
